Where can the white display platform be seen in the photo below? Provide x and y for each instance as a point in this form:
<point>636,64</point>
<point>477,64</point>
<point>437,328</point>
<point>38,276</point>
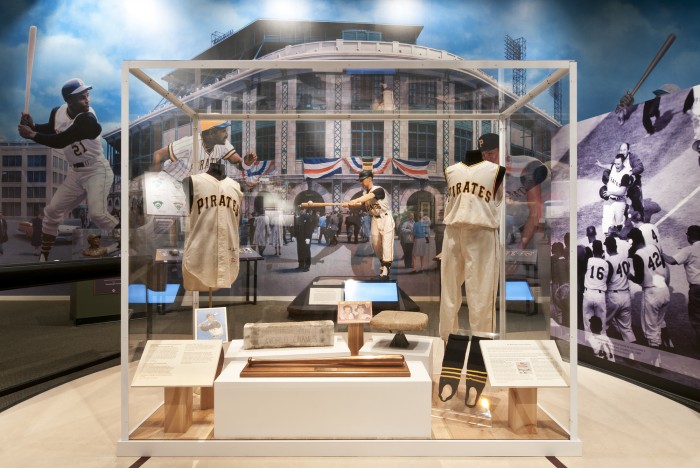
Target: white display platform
<point>420,349</point>
<point>322,407</point>
<point>237,353</point>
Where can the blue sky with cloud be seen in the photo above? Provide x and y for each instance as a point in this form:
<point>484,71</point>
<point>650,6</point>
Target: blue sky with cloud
<point>612,41</point>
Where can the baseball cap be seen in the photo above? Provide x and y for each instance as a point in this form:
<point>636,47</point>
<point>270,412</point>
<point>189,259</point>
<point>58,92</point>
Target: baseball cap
<point>610,242</point>
<point>488,141</point>
<point>590,231</point>
<point>693,230</point>
<point>666,89</point>
<point>597,247</point>
<point>209,124</point>
<point>73,86</point>
<point>364,174</point>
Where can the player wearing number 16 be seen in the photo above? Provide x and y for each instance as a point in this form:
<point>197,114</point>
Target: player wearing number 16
<point>73,128</point>
<point>598,274</point>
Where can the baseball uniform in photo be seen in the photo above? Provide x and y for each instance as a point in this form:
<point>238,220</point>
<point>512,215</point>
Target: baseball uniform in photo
<point>656,294</point>
<point>598,272</point>
<point>211,253</point>
<point>180,161</point>
<point>382,229</point>
<point>470,246</point>
<point>614,206</point>
<point>89,175</point>
<point>692,104</point>
<point>617,297</point>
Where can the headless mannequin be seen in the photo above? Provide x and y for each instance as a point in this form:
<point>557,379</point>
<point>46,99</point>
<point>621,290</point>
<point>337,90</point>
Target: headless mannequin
<point>474,157</point>
<point>217,171</point>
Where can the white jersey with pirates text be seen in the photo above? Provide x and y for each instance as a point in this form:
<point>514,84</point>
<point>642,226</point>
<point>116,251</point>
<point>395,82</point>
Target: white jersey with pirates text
<point>211,252</point>
<point>471,195</point>
<point>614,185</point>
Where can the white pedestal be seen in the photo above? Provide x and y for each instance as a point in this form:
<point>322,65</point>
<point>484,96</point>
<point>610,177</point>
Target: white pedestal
<point>322,407</point>
<point>420,349</point>
<point>237,353</point>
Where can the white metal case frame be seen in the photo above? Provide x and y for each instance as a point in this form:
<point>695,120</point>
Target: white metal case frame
<point>368,448</point>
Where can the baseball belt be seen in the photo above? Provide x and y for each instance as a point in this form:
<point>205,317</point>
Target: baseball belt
<point>81,164</point>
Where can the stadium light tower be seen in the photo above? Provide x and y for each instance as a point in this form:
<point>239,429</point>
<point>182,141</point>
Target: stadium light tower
<point>515,50</point>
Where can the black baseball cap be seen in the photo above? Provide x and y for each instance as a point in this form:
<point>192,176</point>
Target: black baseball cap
<point>694,231</point>
<point>73,86</point>
<point>610,242</point>
<point>364,174</point>
<point>597,247</point>
<point>488,142</point>
<point>590,231</point>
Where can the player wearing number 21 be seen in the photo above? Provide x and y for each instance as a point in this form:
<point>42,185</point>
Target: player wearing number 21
<point>73,128</point>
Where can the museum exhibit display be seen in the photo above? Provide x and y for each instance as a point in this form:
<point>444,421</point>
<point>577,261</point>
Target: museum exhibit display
<point>400,206</point>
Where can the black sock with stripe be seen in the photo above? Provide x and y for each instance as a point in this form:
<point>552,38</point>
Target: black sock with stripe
<point>476,372</point>
<point>452,363</point>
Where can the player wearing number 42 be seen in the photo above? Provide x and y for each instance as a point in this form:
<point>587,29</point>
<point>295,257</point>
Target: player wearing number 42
<point>73,128</point>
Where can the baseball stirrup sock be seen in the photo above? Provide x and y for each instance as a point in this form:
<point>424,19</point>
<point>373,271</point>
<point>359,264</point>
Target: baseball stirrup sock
<point>452,364</point>
<point>47,242</point>
<point>476,372</point>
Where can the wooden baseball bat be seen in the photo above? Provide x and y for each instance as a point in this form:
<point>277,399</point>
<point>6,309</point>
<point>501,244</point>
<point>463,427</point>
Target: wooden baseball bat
<point>30,64</point>
<point>317,205</point>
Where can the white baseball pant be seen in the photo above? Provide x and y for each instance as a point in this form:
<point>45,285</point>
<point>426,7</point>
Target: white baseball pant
<point>382,233</point>
<point>593,304</point>
<point>470,257</point>
<point>619,307</point>
<point>654,302</point>
<point>92,183</point>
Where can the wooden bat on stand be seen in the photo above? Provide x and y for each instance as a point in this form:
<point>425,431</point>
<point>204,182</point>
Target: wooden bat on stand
<point>30,64</point>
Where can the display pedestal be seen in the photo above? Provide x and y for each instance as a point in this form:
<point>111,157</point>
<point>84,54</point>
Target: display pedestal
<point>420,348</point>
<point>178,409</point>
<point>356,337</point>
<point>322,407</point>
<point>522,410</point>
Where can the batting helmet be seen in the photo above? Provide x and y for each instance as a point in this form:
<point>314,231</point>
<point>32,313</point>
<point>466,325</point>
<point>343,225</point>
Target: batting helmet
<point>696,146</point>
<point>602,192</point>
<point>73,86</point>
<point>364,174</point>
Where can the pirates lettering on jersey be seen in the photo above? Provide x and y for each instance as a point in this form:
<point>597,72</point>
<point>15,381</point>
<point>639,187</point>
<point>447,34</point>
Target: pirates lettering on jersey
<point>472,188</point>
<point>214,201</point>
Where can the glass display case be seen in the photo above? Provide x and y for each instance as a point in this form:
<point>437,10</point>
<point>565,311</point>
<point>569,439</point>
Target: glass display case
<point>301,127</point>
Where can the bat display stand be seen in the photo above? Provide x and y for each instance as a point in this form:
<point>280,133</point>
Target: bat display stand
<point>322,407</point>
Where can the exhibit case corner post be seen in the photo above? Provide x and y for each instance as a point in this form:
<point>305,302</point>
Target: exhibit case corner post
<point>313,126</point>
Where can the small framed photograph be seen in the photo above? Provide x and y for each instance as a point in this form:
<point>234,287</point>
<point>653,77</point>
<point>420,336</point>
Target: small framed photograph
<point>354,311</point>
<point>210,324</point>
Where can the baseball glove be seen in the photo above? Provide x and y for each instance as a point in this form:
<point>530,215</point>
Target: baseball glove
<point>603,192</point>
<point>696,146</point>
<point>249,159</point>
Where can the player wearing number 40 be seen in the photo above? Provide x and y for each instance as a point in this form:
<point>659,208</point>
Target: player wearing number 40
<point>73,128</point>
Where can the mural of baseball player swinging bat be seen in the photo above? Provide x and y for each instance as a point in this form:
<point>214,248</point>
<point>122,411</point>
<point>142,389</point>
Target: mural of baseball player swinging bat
<point>622,110</point>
